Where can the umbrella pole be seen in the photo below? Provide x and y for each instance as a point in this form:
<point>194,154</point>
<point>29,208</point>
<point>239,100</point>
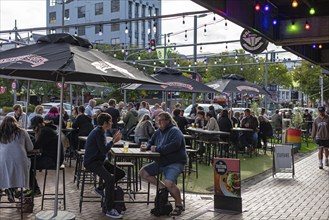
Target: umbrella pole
<point>27,102</point>
<point>59,146</point>
<point>55,215</point>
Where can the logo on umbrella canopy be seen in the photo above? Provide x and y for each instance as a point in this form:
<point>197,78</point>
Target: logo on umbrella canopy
<point>246,88</point>
<point>177,84</point>
<point>35,60</point>
<point>104,66</point>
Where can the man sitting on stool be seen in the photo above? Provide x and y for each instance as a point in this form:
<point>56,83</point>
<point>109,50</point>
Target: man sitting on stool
<point>97,149</point>
<point>169,141</point>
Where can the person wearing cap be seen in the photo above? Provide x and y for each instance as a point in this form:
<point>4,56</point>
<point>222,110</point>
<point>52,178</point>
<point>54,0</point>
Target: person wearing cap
<point>320,134</point>
<point>46,139</point>
<point>249,139</point>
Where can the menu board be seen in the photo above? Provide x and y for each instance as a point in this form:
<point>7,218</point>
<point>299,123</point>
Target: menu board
<point>227,184</point>
<point>227,177</point>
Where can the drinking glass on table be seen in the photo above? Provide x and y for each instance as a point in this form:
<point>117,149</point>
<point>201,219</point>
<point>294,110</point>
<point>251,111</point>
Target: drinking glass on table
<point>125,147</point>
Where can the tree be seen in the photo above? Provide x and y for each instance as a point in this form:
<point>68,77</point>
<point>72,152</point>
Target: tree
<point>307,76</point>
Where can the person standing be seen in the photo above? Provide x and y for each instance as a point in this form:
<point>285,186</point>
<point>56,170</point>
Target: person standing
<point>19,115</point>
<point>115,114</point>
<point>15,142</point>
<point>97,149</point>
<point>320,134</point>
<point>169,141</point>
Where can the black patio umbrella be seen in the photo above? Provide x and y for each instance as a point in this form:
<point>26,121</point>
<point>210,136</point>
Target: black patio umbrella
<point>234,83</point>
<point>63,57</point>
<point>173,81</point>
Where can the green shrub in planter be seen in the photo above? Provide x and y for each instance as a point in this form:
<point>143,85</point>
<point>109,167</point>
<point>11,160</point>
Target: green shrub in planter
<point>6,109</point>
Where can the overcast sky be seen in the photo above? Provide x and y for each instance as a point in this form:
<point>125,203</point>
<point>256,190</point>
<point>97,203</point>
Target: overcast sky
<point>32,13</point>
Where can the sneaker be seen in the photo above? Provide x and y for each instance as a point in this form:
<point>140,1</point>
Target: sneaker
<point>321,166</point>
<point>29,192</point>
<point>99,192</point>
<point>326,162</point>
<point>113,214</point>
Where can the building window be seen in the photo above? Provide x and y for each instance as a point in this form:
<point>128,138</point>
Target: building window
<point>52,2</point>
<point>115,5</point>
<point>81,31</point>
<point>99,8</point>
<point>98,28</point>
<point>67,14</point>
<point>52,31</point>
<point>66,30</point>
<point>52,17</point>
<point>115,26</point>
<point>115,41</point>
<point>82,12</point>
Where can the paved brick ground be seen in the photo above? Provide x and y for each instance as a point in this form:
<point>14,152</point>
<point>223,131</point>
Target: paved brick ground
<point>304,197</point>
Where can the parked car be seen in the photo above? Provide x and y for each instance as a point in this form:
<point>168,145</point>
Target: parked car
<point>205,107</point>
<point>67,107</point>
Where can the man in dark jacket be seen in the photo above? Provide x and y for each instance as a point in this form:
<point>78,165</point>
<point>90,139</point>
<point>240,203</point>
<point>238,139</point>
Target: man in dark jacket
<point>249,138</point>
<point>83,122</point>
<point>46,139</point>
<point>115,114</point>
<point>94,160</point>
<point>169,141</point>
<point>130,118</point>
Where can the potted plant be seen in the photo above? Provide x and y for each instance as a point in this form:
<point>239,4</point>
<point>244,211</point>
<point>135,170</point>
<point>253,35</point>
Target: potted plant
<point>294,132</point>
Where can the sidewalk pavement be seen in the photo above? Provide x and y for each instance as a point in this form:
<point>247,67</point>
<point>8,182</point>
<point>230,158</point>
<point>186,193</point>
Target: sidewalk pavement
<point>304,197</point>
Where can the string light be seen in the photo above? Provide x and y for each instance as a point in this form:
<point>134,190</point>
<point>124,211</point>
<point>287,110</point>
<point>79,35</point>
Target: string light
<point>9,38</point>
<point>257,7</point>
<point>312,11</point>
<point>31,35</point>
<point>183,19</point>
<point>115,55</point>
<point>205,30</point>
<point>126,52</point>
<point>215,62</point>
<point>185,38</point>
<point>320,46</point>
<point>139,57</point>
<point>201,49</point>
<point>224,68</point>
<point>294,4</point>
<point>307,26</point>
<point>154,26</point>
<point>226,48</point>
<point>313,46</point>
<point>225,26</point>
<point>266,8</point>
<point>168,35</point>
<point>126,29</point>
<point>100,33</point>
<point>214,18</point>
<point>76,32</point>
<point>274,22</point>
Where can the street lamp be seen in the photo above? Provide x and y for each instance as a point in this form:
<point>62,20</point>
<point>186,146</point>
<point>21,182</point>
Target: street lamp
<point>195,48</point>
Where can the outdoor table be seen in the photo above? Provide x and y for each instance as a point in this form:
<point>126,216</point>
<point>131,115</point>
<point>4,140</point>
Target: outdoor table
<point>239,129</point>
<point>134,153</point>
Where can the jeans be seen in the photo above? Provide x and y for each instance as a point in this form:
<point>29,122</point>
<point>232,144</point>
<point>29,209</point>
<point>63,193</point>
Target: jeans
<point>249,138</point>
<point>105,171</point>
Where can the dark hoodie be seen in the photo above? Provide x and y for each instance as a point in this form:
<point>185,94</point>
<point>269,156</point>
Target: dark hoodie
<point>170,144</point>
<point>131,119</point>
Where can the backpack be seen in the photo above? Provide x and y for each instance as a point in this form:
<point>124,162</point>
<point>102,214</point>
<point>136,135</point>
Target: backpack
<point>161,204</point>
<point>119,196</point>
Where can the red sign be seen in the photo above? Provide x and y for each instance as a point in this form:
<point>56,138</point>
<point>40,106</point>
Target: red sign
<point>59,85</point>
<point>2,89</point>
<point>13,85</point>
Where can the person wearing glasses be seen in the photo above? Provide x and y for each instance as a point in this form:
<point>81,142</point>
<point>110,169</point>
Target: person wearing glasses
<point>169,141</point>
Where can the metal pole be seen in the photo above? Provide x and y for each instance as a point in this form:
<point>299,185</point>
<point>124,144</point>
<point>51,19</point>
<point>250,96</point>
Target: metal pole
<point>165,50</point>
<point>27,101</point>
<point>63,12</point>
<point>266,79</point>
<point>16,81</point>
<point>321,86</point>
<point>195,32</point>
<point>71,98</point>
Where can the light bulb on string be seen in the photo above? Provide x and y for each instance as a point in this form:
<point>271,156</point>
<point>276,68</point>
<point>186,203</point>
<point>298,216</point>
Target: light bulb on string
<point>178,65</point>
<point>274,22</point>
<point>307,26</point>
<point>224,68</point>
<point>294,4</point>
<point>214,18</point>
<point>9,38</point>
<point>266,7</point>
<point>225,26</point>
<point>126,53</point>
<point>201,49</point>
<point>149,30</point>
<point>215,62</point>
<point>226,47</point>
<point>185,38</point>
<point>168,35</point>
<point>183,19</point>
<point>241,68</point>
<point>76,32</point>
<point>31,35</point>
<point>143,67</point>
<point>312,11</point>
<point>126,29</point>
<point>320,46</point>
<point>122,48</point>
<point>257,7</point>
<point>259,68</point>
<point>139,57</point>
<point>154,27</point>
<point>100,33</point>
<point>115,55</point>
<point>154,63</point>
<point>134,62</point>
<point>220,60</point>
<point>205,30</point>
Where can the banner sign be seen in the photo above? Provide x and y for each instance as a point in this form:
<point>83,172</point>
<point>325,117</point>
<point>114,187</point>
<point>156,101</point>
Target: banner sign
<point>13,85</point>
<point>2,89</point>
<point>227,184</point>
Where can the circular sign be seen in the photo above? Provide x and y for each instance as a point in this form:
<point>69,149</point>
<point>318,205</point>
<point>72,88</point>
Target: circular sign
<point>59,85</point>
<point>2,89</point>
<point>252,42</point>
<point>221,167</point>
<point>13,85</point>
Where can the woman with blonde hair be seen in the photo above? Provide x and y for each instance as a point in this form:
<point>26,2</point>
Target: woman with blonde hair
<point>15,142</point>
<point>144,129</point>
<point>38,110</point>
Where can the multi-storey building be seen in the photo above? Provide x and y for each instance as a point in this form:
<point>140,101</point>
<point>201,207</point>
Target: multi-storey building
<point>124,31</point>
